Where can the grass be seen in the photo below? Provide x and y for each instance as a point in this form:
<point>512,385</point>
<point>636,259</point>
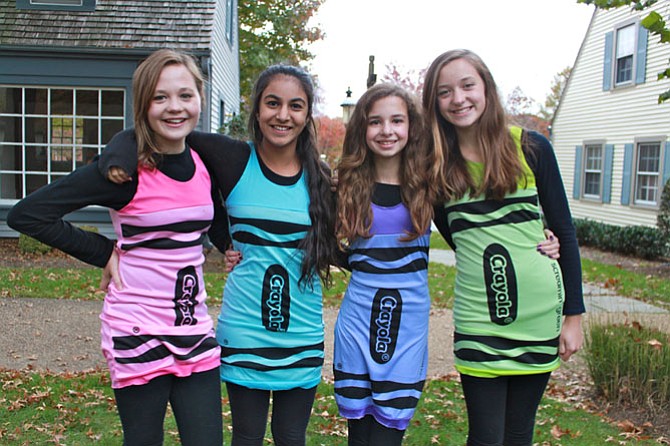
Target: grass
<point>78,409</point>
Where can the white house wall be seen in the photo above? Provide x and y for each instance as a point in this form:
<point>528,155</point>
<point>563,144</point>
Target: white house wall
<point>618,116</point>
<point>225,67</point>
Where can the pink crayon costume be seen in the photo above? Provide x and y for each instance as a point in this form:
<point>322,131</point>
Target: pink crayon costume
<point>158,323</point>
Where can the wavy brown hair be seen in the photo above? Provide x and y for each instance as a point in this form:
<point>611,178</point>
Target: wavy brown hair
<point>319,246</point>
<point>356,170</point>
<point>449,174</point>
<point>145,80</point>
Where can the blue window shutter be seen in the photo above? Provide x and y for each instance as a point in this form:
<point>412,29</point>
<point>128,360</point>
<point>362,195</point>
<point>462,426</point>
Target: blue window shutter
<point>607,61</point>
<point>641,55</point>
<point>666,164</point>
<point>627,174</point>
<point>607,173</point>
<point>577,179</point>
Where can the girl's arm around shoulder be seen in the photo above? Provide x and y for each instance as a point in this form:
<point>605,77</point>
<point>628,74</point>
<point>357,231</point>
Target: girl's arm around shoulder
<point>121,152</point>
<point>556,210</point>
<point>40,214</point>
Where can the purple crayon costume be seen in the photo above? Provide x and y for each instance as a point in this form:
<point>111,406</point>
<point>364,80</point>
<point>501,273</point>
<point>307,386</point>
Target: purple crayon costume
<point>381,335</point>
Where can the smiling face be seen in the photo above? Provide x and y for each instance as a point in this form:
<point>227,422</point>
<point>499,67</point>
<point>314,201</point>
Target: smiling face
<point>387,128</point>
<point>174,108</point>
<point>461,94</point>
<point>282,113</point>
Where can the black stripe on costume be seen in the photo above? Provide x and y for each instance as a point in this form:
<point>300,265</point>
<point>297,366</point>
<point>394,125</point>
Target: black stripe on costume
<point>521,216</point>
<point>472,355</point>
<point>340,376</point>
<point>499,343</point>
<point>132,342</point>
<point>252,239</point>
<point>405,402</point>
<point>305,362</point>
<point>270,352</point>
<point>270,226</point>
<point>163,243</point>
<point>162,351</point>
<point>388,254</point>
<point>488,206</point>
<point>415,265</point>
<point>181,227</point>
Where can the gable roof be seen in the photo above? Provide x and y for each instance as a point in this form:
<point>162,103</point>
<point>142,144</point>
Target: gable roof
<point>115,24</point>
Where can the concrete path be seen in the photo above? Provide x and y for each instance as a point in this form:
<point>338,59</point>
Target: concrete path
<point>64,335</point>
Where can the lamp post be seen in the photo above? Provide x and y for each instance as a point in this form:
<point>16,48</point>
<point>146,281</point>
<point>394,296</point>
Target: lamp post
<point>347,106</point>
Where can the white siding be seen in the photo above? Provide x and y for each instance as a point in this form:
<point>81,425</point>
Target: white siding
<point>617,116</point>
<point>225,78</point>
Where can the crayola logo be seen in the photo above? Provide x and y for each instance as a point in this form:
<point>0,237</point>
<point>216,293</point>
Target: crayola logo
<point>501,287</point>
<point>276,299</point>
<point>185,290</point>
<point>384,324</point>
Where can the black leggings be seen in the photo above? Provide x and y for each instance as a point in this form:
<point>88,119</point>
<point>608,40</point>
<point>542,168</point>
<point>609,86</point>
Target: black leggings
<point>501,411</point>
<point>290,415</point>
<point>368,431</point>
<point>195,402</point>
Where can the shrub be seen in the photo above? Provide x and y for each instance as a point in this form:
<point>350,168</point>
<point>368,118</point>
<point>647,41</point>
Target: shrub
<point>638,241</point>
<point>630,364</point>
<point>663,217</point>
<point>29,245</point>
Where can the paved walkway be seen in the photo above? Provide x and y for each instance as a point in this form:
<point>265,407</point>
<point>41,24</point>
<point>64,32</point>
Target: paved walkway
<point>64,335</point>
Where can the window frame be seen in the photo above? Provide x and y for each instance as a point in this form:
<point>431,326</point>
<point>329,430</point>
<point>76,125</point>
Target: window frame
<point>56,5</point>
<point>585,170</point>
<point>635,172</point>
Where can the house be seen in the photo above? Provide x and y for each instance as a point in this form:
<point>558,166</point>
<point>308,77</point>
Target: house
<point>66,70</point>
<point>610,134</point>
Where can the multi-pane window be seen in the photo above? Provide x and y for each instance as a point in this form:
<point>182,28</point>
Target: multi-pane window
<point>47,132</point>
<point>625,50</point>
<point>593,170</point>
<point>57,5</point>
<point>647,173</point>
<point>230,16</point>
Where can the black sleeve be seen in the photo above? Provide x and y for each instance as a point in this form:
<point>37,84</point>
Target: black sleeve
<point>442,224</point>
<point>219,234</point>
<point>225,158</point>
<point>556,211</point>
<point>40,214</point>
<point>120,151</point>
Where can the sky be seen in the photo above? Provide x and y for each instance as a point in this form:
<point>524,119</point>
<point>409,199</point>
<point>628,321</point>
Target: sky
<point>525,43</point>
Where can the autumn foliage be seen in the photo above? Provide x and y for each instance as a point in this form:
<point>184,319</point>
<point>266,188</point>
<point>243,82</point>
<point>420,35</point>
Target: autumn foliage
<point>330,133</point>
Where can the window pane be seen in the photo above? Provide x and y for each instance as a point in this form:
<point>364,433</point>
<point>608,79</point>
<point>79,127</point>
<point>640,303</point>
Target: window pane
<point>36,101</point>
<point>85,155</point>
<point>88,129</point>
<point>87,103</point>
<point>112,103</point>
<point>61,102</point>
<point>10,186</point>
<point>10,158</point>
<point>649,158</point>
<point>110,128</point>
<point>624,69</point>
<point>36,158</point>
<point>34,182</point>
<point>625,41</point>
<point>646,188</point>
<point>592,184</point>
<point>61,159</point>
<point>10,100</point>
<point>36,130</point>
<point>62,131</point>
<point>57,2</point>
<point>10,129</point>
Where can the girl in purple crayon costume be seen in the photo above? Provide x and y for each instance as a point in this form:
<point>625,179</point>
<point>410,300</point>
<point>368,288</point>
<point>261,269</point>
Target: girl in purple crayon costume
<point>157,335</point>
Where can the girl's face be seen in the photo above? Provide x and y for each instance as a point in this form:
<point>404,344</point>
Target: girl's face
<point>175,108</point>
<point>461,95</point>
<point>388,127</point>
<point>282,112</point>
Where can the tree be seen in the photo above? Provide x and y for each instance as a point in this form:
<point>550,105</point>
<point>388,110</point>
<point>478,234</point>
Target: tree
<point>556,92</point>
<point>519,109</point>
<point>331,138</point>
<point>654,22</point>
<point>274,31</point>
<point>411,80</point>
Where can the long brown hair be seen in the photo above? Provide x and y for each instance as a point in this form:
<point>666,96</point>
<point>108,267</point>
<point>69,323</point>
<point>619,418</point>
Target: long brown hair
<point>145,80</point>
<point>319,247</point>
<point>502,166</point>
<point>356,170</point>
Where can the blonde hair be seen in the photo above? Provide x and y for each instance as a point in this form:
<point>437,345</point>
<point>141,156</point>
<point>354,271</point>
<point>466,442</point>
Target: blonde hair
<point>145,80</point>
<point>357,176</point>
<point>502,166</point>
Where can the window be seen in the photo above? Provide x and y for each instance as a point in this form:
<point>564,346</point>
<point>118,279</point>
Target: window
<point>47,132</point>
<point>230,20</point>
<point>647,173</point>
<point>593,165</point>
<point>57,5</point>
<point>625,56</point>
